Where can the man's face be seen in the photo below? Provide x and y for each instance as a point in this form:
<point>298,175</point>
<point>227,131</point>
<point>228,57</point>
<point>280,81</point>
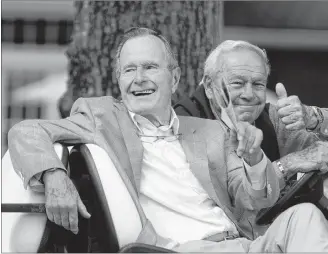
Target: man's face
<point>145,81</point>
<point>245,74</point>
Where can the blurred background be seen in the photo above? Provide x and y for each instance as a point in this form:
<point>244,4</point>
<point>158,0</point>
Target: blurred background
<point>56,51</point>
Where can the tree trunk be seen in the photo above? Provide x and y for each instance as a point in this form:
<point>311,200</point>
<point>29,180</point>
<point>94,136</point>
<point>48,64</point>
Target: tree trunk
<point>192,27</point>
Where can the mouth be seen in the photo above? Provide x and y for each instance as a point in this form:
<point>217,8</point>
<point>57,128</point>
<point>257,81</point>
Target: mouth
<point>143,92</point>
<point>245,106</point>
<point>239,105</point>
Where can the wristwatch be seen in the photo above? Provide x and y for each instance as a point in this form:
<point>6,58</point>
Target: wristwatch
<point>319,116</point>
<point>282,170</point>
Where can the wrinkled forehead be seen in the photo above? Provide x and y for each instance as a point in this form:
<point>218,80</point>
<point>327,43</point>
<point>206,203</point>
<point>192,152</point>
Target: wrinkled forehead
<point>243,62</point>
<point>145,48</point>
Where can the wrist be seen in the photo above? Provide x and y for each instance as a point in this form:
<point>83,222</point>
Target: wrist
<point>310,118</point>
<point>254,158</point>
<point>288,166</point>
<point>51,172</point>
<point>281,170</point>
<point>314,119</point>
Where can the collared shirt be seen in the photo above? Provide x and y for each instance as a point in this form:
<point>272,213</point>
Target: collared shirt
<point>170,195</point>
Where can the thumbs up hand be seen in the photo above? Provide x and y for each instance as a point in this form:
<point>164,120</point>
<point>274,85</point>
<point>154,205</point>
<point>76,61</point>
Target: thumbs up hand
<point>290,109</point>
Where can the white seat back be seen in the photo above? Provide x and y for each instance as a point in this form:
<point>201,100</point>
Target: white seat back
<point>325,188</point>
<point>124,212</point>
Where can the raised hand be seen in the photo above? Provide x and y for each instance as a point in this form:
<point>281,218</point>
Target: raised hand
<point>291,111</point>
<point>247,142</point>
<point>63,202</point>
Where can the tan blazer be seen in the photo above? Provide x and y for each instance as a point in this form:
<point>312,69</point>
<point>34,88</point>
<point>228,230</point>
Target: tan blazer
<point>105,121</point>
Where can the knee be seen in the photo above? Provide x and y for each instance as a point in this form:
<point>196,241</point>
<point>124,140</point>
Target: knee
<point>306,209</point>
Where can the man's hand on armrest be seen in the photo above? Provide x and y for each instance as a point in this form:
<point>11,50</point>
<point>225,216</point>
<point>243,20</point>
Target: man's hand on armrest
<point>63,202</point>
<point>314,157</point>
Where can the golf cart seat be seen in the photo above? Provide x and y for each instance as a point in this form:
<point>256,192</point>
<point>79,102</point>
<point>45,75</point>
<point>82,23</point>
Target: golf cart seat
<point>115,223</point>
<point>116,219</point>
<point>23,214</point>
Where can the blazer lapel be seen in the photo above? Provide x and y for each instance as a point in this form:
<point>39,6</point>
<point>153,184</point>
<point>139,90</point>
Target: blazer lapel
<point>194,147</point>
<point>132,143</point>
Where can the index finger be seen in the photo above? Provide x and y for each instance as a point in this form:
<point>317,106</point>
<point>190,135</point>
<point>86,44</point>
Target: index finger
<point>258,141</point>
<point>73,220</point>
<point>283,102</point>
<point>241,132</point>
<point>288,110</point>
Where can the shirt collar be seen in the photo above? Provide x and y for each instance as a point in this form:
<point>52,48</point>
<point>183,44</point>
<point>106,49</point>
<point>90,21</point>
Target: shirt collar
<point>140,122</point>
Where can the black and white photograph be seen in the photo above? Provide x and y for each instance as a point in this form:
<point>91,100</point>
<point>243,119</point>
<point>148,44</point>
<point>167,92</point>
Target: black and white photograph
<point>164,126</point>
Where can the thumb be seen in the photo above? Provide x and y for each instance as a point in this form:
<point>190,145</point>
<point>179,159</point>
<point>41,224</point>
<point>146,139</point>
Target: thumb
<point>82,209</point>
<point>281,91</point>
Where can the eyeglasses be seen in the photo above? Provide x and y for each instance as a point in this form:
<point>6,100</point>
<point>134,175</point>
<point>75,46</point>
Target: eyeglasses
<point>153,139</point>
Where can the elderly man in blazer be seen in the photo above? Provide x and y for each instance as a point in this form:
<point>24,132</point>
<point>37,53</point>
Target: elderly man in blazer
<point>194,180</point>
<point>295,136</point>
<point>293,133</point>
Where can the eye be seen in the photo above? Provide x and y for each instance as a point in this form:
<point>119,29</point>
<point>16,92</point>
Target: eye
<point>150,67</point>
<point>236,84</point>
<point>259,85</point>
<point>127,70</point>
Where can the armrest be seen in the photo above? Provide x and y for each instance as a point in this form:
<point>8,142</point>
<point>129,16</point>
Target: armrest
<point>325,186</point>
<point>17,225</point>
<point>323,202</point>
<point>12,187</point>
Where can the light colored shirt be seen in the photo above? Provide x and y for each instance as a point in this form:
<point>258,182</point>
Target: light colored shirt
<point>170,195</point>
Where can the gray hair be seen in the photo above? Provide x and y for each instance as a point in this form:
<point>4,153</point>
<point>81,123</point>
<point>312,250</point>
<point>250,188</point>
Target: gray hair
<point>135,32</point>
<point>212,64</point>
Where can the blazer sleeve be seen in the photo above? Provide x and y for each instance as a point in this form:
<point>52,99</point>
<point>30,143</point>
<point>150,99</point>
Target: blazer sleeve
<point>30,142</point>
<point>242,194</point>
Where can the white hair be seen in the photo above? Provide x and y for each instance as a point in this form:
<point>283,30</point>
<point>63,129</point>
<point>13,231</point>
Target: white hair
<point>212,64</point>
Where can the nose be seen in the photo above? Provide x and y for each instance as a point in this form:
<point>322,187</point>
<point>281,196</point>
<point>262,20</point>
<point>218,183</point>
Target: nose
<point>139,77</point>
<point>247,92</point>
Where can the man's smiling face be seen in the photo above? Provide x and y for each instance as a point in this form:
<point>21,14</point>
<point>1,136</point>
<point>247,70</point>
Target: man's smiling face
<point>246,77</point>
<point>145,80</point>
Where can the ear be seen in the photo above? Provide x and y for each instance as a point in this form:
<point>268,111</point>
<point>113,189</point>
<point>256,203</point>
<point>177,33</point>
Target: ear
<point>208,89</point>
<point>176,73</point>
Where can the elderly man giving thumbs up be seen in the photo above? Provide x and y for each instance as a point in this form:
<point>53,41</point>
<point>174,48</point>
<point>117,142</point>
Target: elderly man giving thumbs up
<point>295,136</point>
<point>296,116</point>
<point>293,113</point>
